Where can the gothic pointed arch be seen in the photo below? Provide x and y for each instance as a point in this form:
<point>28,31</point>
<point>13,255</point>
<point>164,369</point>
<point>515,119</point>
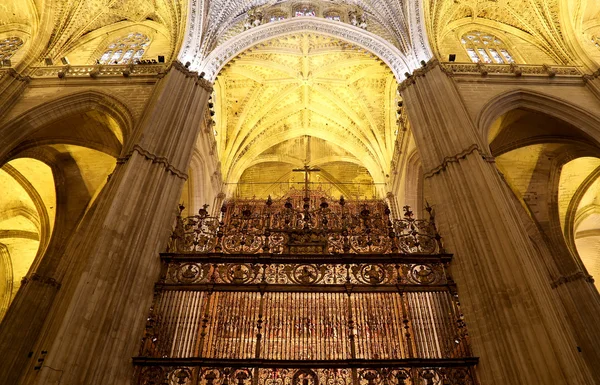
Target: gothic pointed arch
<point>398,62</point>
<point>31,121</point>
<point>209,21</point>
<point>540,102</point>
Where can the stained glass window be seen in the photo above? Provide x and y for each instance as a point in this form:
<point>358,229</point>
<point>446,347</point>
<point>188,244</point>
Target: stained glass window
<point>9,46</point>
<point>486,48</point>
<point>304,12</point>
<point>332,16</point>
<point>125,50</point>
<point>276,16</point>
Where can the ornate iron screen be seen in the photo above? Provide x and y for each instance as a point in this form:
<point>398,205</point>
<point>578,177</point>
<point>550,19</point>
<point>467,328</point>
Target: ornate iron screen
<point>278,293</point>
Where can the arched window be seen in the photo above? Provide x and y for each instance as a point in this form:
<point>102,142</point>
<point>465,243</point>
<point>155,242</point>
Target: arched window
<point>9,46</point>
<point>483,47</point>
<point>304,11</point>
<point>128,49</point>
<point>333,15</point>
<point>276,16</point>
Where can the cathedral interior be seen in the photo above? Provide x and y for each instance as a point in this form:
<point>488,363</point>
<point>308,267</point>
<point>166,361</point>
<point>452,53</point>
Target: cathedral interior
<point>299,192</point>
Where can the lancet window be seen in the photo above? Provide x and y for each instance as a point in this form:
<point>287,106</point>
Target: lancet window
<point>333,15</point>
<point>125,50</point>
<point>486,48</point>
<point>9,46</point>
<point>304,11</point>
<point>276,16</point>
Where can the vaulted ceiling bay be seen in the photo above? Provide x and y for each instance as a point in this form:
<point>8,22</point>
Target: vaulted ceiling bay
<point>305,100</point>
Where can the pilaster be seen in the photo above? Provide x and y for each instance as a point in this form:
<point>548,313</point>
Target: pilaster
<point>91,332</point>
<point>12,85</point>
<point>516,327</point>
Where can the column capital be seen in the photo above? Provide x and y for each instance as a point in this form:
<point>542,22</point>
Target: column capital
<point>208,86</point>
<point>420,72</point>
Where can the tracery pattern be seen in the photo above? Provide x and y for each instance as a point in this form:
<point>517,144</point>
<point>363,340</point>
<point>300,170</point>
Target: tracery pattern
<point>125,50</point>
<point>9,46</point>
<point>487,48</point>
<point>391,19</point>
<point>541,22</point>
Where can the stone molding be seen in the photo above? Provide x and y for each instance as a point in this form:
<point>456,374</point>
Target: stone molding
<point>484,70</point>
<point>15,75</point>
<point>594,75</point>
<point>474,148</point>
<point>39,278</point>
<point>163,161</point>
<point>571,278</point>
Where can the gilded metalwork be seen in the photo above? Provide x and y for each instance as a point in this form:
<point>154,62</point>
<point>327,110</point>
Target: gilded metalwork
<point>304,292</point>
<point>396,375</point>
<point>198,272</point>
<point>305,225</point>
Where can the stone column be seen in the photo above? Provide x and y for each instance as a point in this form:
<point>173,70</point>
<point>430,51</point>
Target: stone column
<point>512,316</point>
<point>25,318</point>
<point>593,82</point>
<point>96,324</point>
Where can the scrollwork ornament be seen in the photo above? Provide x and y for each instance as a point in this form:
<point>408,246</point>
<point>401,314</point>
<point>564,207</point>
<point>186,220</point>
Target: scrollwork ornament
<point>152,375</point>
<point>180,376</point>
<point>240,273</point>
<point>306,274</point>
<point>423,274</point>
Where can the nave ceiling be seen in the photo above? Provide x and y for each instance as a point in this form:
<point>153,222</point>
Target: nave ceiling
<point>61,27</point>
<point>271,98</point>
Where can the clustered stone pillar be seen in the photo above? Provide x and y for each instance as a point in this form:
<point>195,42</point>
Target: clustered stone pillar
<point>513,317</point>
<point>25,318</point>
<point>96,323</point>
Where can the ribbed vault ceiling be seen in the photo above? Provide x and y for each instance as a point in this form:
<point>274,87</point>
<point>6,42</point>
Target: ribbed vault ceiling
<point>305,86</point>
<point>540,19</point>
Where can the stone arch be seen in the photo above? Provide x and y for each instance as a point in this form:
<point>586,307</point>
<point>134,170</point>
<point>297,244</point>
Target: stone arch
<point>91,46</point>
<point>31,121</point>
<point>571,218</point>
<point>557,108</point>
<point>397,61</point>
<point>542,135</point>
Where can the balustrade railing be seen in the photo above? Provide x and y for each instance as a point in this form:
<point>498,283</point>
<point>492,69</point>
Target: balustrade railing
<point>305,226</point>
<point>513,69</point>
<point>96,71</point>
